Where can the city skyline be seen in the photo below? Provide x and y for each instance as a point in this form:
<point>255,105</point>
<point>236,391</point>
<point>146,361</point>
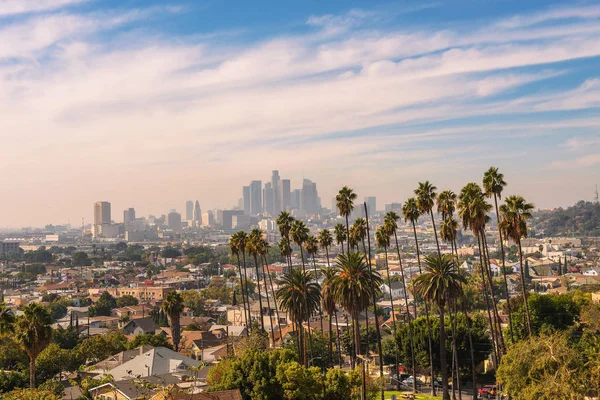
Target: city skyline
<point>147,104</point>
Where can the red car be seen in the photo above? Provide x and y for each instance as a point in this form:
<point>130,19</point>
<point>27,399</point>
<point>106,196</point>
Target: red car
<point>487,391</point>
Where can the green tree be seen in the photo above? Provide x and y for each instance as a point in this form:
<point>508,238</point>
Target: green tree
<point>53,360</point>
<point>126,300</point>
<point>441,283</point>
<point>103,306</point>
<point>81,259</point>
<point>340,236</point>
<point>253,248</point>
<point>298,382</point>
<point>170,252</point>
<point>237,246</point>
<point>149,339</point>
<point>345,204</point>
<point>98,348</point>
<point>34,333</point>
<point>30,394</point>
<point>173,306</point>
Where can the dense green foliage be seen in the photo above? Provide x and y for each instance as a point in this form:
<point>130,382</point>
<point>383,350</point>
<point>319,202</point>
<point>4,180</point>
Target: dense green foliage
<point>581,219</point>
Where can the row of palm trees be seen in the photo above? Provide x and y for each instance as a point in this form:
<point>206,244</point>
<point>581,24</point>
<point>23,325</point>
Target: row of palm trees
<point>352,284</point>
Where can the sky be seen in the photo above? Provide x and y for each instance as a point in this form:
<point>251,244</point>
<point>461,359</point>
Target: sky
<point>148,104</point>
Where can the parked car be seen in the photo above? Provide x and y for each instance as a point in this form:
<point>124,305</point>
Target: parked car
<point>410,380</point>
<point>488,391</point>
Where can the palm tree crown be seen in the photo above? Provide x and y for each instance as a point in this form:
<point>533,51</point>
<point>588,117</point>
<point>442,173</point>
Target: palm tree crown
<point>425,196</point>
<point>299,232</point>
<point>410,210</point>
<point>493,182</point>
<point>325,239</point>
<point>299,297</point>
<point>515,212</point>
<point>345,201</point>
<point>34,333</point>
<point>340,233</point>
<point>440,280</point>
<point>446,203</point>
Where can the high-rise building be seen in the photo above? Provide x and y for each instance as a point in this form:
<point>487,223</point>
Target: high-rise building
<point>276,185</point>
<point>268,199</point>
<point>189,210</point>
<point>256,202</point>
<point>208,219</point>
<point>174,221</point>
<point>225,217</point>
<point>295,199</point>
<point>285,194</point>
<point>371,205</point>
<point>129,216</point>
<point>309,201</point>
<point>393,207</point>
<point>101,213</point>
<point>197,214</point>
<point>246,197</point>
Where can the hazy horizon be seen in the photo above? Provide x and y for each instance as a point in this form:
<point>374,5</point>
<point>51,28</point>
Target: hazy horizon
<point>153,103</point>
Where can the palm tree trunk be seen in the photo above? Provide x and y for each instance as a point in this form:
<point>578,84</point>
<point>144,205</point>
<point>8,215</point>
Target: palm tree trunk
<point>488,270</point>
<point>443,360</point>
<point>268,302</point>
<point>320,308</point>
<point>512,335</point>
<point>387,268</point>
<point>377,327</point>
<point>31,372</point>
<point>274,301</point>
<point>472,354</point>
<point>353,344</point>
<point>347,235</point>
<point>242,285</point>
<point>337,332</point>
<point>487,301</point>
<point>296,327</point>
<point>437,242</point>
<point>410,331</point>
<point>330,343</point>
<point>249,317</point>
<point>306,307</point>
<point>262,319</point>
<point>426,313</point>
<point>524,285</point>
<point>453,318</point>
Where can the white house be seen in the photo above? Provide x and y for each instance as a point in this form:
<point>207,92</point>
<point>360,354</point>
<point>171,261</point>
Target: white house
<point>594,271</point>
<point>397,290</point>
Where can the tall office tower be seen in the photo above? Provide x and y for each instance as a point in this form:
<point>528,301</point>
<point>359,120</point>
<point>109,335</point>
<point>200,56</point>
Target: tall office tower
<point>189,210</point>
<point>268,198</point>
<point>371,205</point>
<point>246,197</point>
<point>101,213</point>
<point>285,194</point>
<point>208,219</point>
<point>310,198</point>
<point>174,221</point>
<point>197,215</point>
<point>393,207</point>
<point>225,218</point>
<point>276,185</point>
<point>129,216</point>
<point>295,199</point>
<point>256,204</point>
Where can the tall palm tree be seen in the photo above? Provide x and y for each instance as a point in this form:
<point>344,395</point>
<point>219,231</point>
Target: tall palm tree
<point>284,224</point>
<point>328,302</point>
<point>446,203</point>
<point>237,243</point>
<point>325,241</point>
<point>353,286</point>
<point>441,283</point>
<point>411,213</point>
<point>382,239</point>
<point>173,306</point>
<point>449,231</point>
<point>285,249</point>
<point>312,248</point>
<point>345,204</point>
<point>7,319</point>
<point>33,333</point>
<point>340,235</point>
<point>493,184</point>
<point>253,245</point>
<point>425,200</point>
<point>299,299</point>
<point>515,213</point>
<point>390,225</point>
<point>360,228</point>
<point>473,209</point>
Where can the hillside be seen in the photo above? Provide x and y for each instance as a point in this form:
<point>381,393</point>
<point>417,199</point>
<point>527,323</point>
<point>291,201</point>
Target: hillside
<point>582,219</point>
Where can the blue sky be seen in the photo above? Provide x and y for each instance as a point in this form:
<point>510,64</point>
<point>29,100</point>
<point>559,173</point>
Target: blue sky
<point>149,103</point>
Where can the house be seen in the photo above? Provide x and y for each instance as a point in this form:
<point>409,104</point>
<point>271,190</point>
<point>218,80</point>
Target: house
<point>397,289</point>
<point>123,390</point>
<point>140,326</point>
<point>119,358</point>
<point>594,271</point>
<point>231,331</point>
<point>178,394</point>
<point>139,311</point>
<point>158,361</point>
<point>210,354</point>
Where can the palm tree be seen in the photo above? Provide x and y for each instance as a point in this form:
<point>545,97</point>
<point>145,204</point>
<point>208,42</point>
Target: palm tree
<point>328,302</point>
<point>425,199</point>
<point>493,184</point>
<point>345,204</point>
<point>312,248</point>
<point>449,231</point>
<point>382,239</point>
<point>173,306</point>
<point>237,243</point>
<point>473,210</point>
<point>253,248</point>
<point>34,333</point>
<point>284,224</point>
<point>360,228</point>
<point>285,249</point>
<point>441,283</point>
<point>353,286</point>
<point>390,225</point>
<point>325,241</point>
<point>411,213</point>
<point>340,235</point>
<point>515,213</point>
<point>446,203</point>
<point>299,299</point>
<point>7,319</point>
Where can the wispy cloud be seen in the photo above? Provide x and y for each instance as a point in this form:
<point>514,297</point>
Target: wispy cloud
<point>557,14</point>
<point>13,7</point>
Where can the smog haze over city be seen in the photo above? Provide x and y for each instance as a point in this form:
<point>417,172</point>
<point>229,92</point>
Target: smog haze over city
<point>147,104</point>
